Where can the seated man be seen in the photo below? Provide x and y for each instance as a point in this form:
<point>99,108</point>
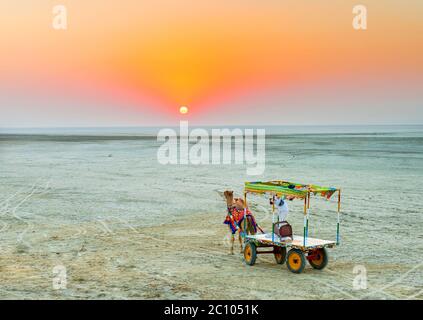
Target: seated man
<point>282,207</point>
<point>282,227</point>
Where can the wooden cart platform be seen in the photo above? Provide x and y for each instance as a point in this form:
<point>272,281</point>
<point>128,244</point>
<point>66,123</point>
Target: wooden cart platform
<point>298,241</point>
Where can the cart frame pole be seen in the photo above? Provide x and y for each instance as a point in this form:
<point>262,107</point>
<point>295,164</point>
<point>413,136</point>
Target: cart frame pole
<point>273,217</point>
<point>305,220</point>
<point>244,233</point>
<point>337,224</point>
<point>308,204</point>
<point>308,211</point>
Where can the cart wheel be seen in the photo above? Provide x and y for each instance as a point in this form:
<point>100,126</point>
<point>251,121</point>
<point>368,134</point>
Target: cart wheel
<point>250,253</point>
<point>295,261</point>
<point>320,259</point>
<point>280,254</point>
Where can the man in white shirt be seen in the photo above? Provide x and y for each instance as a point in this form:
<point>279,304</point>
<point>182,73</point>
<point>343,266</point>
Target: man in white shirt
<point>282,207</point>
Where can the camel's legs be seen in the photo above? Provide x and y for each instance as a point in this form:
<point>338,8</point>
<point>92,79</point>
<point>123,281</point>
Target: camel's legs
<point>240,241</point>
<point>232,243</point>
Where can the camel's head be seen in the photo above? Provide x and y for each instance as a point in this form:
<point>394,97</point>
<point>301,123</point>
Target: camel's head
<point>229,196</point>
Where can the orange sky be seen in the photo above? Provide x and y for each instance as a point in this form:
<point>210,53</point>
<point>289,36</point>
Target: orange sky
<point>156,55</point>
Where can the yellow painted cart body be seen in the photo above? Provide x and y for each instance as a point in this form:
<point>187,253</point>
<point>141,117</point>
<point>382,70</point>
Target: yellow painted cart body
<point>299,249</point>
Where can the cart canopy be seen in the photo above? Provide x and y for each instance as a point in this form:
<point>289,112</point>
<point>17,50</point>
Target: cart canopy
<point>297,190</point>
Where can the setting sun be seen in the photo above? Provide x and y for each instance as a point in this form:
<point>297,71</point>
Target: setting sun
<point>183,110</point>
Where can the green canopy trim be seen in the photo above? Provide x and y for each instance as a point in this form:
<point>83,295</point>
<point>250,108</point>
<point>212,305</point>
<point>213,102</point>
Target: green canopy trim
<point>297,190</point>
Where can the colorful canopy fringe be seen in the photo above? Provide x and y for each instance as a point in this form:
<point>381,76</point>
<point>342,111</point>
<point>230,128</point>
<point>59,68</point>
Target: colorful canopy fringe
<point>297,190</point>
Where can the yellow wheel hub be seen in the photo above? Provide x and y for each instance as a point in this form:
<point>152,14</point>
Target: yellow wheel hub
<point>294,261</point>
<point>247,253</point>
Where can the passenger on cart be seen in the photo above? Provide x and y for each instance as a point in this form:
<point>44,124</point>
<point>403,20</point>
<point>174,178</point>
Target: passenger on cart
<point>282,228</point>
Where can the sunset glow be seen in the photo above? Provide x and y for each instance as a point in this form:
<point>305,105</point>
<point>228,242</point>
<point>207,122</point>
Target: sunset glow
<point>132,63</point>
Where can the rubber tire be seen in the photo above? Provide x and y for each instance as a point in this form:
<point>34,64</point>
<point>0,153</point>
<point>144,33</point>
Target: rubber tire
<point>281,252</point>
<point>250,253</point>
<point>324,262</point>
<point>298,256</point>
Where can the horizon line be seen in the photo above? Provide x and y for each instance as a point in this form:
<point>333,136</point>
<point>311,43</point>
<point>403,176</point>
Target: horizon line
<point>211,125</point>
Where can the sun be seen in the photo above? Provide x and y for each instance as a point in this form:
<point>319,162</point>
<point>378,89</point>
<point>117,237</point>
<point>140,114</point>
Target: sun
<point>183,110</point>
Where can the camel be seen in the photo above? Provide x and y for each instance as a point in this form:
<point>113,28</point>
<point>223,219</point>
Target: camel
<point>235,218</point>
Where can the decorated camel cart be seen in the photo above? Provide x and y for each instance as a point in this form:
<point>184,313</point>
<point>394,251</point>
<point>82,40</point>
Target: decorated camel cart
<point>301,248</point>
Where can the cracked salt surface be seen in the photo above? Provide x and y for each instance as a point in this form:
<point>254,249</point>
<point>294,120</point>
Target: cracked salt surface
<point>126,227</point>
